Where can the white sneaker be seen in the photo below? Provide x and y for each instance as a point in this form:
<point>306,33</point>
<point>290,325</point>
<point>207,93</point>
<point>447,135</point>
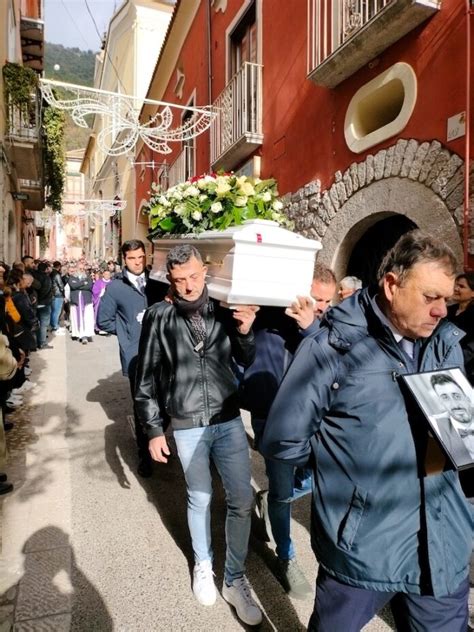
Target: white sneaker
<point>27,371</point>
<point>14,402</point>
<point>204,588</point>
<point>239,595</point>
<point>24,388</point>
<point>60,332</point>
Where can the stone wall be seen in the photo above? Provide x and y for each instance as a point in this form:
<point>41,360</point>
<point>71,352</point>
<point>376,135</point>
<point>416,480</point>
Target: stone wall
<point>438,172</point>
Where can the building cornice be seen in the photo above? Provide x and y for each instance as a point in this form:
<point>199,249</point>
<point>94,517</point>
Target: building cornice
<point>178,29</point>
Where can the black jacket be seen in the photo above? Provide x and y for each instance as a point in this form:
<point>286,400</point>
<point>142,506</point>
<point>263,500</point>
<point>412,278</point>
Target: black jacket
<point>45,289</point>
<point>78,285</point>
<point>194,386</point>
<point>58,285</point>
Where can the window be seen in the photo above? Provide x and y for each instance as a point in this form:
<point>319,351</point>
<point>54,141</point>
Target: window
<point>162,178</point>
<point>243,41</point>
<point>381,108</point>
<point>188,146</point>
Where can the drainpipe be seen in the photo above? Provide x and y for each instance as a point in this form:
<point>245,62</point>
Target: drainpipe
<point>209,66</point>
<point>467,153</point>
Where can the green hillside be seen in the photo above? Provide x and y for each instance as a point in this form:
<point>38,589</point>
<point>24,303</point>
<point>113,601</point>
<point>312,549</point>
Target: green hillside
<point>75,66</point>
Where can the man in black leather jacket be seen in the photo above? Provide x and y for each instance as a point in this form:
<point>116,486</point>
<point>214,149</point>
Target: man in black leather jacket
<point>188,347</point>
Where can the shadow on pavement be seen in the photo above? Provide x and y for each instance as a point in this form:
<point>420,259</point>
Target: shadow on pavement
<point>120,447</point>
<point>50,587</point>
<point>166,490</point>
<point>28,426</point>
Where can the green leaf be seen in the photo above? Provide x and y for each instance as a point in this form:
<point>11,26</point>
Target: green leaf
<point>264,184</point>
<point>237,215</point>
<point>251,212</point>
<point>166,224</point>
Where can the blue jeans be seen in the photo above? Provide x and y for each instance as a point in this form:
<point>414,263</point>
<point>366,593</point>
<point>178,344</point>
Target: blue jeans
<point>56,307</point>
<point>286,483</point>
<point>44,316</point>
<point>226,444</point>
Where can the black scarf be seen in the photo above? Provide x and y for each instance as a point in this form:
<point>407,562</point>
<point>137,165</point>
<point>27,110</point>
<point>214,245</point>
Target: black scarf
<point>192,311</point>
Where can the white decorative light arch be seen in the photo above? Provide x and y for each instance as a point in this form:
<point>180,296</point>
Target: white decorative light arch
<point>121,113</point>
<point>101,209</point>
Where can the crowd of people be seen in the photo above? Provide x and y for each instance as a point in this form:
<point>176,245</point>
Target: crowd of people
<point>39,299</point>
<point>391,519</point>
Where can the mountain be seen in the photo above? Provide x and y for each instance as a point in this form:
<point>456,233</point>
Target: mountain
<point>75,66</point>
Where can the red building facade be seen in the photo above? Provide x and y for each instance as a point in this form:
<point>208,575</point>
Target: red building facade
<point>360,110</point>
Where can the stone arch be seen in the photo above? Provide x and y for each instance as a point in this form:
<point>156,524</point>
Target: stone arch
<point>424,181</point>
<point>393,196</point>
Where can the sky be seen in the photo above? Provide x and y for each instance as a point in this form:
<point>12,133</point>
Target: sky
<point>68,22</point>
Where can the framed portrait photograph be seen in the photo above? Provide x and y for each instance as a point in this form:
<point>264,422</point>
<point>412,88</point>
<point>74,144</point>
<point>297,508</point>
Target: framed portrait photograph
<point>447,401</point>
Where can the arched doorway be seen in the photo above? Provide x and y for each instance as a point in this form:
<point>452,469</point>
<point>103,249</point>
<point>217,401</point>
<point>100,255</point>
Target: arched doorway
<point>369,251</point>
<point>406,204</point>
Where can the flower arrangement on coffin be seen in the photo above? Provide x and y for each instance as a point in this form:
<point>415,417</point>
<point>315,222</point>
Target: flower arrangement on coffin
<point>213,202</point>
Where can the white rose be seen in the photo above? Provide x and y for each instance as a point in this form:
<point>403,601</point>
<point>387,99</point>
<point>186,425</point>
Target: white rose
<point>191,191</point>
<point>216,207</point>
<point>277,205</point>
<point>267,196</point>
<point>222,188</point>
<point>202,197</point>
<point>179,209</point>
<point>247,188</point>
<point>196,215</point>
<point>240,200</point>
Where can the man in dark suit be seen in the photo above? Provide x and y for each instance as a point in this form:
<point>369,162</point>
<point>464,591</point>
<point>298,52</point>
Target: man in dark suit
<point>457,430</point>
<point>120,312</point>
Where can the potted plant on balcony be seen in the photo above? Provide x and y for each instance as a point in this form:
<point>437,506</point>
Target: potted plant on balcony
<point>20,82</point>
<point>237,224</point>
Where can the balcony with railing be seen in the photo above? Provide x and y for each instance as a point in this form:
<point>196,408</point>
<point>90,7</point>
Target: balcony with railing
<point>236,131</point>
<point>32,192</point>
<point>344,35</point>
<point>23,139</point>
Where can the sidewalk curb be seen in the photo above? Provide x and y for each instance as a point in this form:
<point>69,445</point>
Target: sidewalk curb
<point>35,559</point>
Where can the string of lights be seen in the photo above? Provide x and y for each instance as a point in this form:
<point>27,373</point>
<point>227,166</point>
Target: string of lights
<point>106,47</point>
<point>75,23</point>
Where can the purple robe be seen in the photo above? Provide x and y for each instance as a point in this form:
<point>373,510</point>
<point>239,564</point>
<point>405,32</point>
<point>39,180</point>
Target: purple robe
<point>98,290</point>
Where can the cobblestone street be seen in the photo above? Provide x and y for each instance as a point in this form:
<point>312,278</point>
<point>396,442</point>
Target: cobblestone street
<point>89,546</point>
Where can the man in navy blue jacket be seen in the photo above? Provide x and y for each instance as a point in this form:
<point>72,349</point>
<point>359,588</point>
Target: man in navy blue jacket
<point>390,521</point>
<point>120,312</point>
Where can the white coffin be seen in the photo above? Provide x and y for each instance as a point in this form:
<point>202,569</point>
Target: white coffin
<point>258,263</point>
